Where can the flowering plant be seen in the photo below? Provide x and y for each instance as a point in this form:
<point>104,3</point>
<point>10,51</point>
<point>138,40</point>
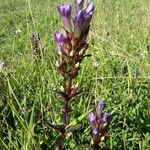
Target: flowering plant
<point>99,124</point>
<point>71,50</point>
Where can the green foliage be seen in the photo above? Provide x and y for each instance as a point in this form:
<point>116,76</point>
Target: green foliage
<point>118,71</point>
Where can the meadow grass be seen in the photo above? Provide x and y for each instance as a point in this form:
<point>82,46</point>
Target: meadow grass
<point>118,71</point>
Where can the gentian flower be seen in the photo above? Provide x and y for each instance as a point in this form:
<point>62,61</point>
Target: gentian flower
<point>99,123</point>
<point>59,40</point>
<point>91,117</point>
<point>106,118</point>
<point>78,24</point>
<point>89,10</point>
<point>99,108</point>
<point>65,13</point>
<point>88,13</point>
<point>79,5</point>
<point>94,131</point>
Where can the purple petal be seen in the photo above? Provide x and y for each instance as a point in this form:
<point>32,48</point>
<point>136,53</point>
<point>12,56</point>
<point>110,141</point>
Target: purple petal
<point>80,17</point>
<point>79,4</point>
<point>95,131</point>
<point>106,118</point>
<point>58,37</point>
<point>65,13</point>
<point>59,40</point>
<point>91,117</point>
<point>89,10</point>
<point>78,24</point>
<point>65,10</point>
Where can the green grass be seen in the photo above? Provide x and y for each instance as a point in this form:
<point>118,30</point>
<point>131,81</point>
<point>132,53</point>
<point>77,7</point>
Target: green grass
<point>119,43</point>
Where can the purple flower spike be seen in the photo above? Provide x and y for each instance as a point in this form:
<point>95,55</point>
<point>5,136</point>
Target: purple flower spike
<point>78,24</point>
<point>79,5</point>
<point>99,108</point>
<point>59,40</point>
<point>91,117</point>
<point>106,118</point>
<point>65,13</point>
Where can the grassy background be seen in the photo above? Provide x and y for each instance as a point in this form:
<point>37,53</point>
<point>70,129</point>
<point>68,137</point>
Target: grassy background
<point>118,71</point>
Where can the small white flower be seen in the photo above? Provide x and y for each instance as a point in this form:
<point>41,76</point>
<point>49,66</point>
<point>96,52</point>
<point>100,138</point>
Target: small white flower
<point>18,31</point>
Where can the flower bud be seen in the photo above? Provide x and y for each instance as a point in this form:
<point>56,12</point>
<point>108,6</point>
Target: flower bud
<point>88,13</point>
<point>106,118</point>
<point>79,5</point>
<point>91,117</point>
<point>59,40</point>
<point>99,108</point>
<point>65,13</point>
<point>95,131</point>
<point>78,24</point>
<point>89,9</point>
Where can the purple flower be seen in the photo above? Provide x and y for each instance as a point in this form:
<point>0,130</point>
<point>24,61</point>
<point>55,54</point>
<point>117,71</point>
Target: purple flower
<point>89,10</point>
<point>99,108</point>
<point>106,118</point>
<point>95,131</point>
<point>59,40</point>
<point>91,117</point>
<point>79,5</point>
<point>58,37</point>
<point>88,13</point>
<point>78,24</point>
<point>65,13</point>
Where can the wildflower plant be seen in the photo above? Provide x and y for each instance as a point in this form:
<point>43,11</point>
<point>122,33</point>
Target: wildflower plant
<point>36,46</point>
<point>99,122</point>
<point>71,45</point>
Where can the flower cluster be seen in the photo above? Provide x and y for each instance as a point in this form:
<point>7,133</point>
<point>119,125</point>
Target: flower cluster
<point>71,42</point>
<point>99,123</point>
<point>71,46</point>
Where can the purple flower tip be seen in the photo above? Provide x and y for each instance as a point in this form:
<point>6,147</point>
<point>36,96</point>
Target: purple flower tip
<point>100,105</point>
<point>58,37</point>
<point>65,10</point>
<point>79,4</point>
<point>79,1</point>
<point>80,17</point>
<point>91,117</point>
<point>89,10</point>
<point>94,131</point>
<point>106,118</point>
